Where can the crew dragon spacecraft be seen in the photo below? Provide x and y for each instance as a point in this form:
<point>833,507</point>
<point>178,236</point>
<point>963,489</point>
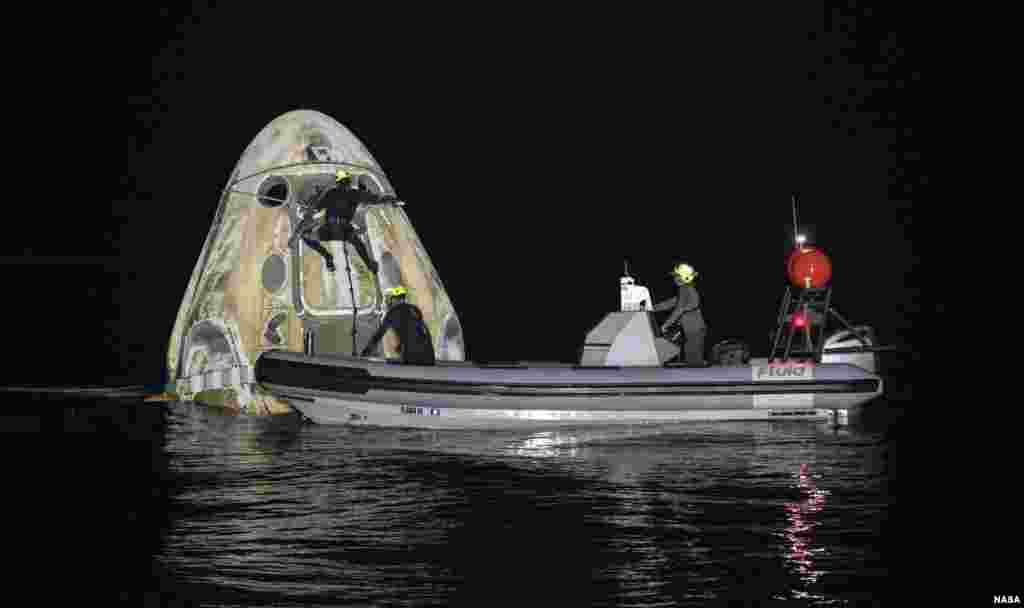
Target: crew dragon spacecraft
<point>251,292</point>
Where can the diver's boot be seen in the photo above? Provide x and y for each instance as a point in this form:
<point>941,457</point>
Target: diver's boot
<point>370,263</point>
<point>364,254</point>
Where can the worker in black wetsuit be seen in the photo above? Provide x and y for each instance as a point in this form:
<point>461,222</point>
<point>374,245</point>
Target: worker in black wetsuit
<point>686,311</point>
<point>330,219</point>
<point>413,334</point>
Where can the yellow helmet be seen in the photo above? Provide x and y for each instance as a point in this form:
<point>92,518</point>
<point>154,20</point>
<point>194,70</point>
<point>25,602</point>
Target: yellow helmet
<point>685,272</point>
<point>342,175</point>
<point>395,292</point>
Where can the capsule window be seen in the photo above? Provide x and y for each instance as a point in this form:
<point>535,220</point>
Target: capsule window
<point>273,191</point>
<point>274,273</point>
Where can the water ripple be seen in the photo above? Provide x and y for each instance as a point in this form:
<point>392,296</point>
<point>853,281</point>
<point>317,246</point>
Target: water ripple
<point>276,512</point>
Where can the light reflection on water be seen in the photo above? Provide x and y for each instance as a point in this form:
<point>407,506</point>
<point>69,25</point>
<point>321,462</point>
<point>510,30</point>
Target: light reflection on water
<point>800,532</point>
<point>275,511</point>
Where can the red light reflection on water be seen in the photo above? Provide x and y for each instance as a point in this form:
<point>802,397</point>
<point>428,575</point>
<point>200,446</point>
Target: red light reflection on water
<point>800,532</point>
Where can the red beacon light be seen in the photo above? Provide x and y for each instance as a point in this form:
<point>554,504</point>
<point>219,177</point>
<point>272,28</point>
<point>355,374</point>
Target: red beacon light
<point>799,321</point>
<point>808,267</point>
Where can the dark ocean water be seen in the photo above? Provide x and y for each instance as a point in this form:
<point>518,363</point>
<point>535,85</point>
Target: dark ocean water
<point>174,504</point>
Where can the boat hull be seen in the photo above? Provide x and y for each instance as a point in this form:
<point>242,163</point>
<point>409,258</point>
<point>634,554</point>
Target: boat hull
<point>345,390</point>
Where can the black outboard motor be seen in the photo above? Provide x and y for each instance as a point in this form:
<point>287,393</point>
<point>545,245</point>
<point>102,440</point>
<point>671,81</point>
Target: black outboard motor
<point>730,352</point>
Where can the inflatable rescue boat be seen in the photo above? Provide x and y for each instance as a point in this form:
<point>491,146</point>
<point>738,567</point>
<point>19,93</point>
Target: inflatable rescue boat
<point>622,378</point>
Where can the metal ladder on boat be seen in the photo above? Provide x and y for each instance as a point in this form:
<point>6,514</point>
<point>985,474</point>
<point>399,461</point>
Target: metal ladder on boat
<point>802,318</point>
<point>806,312</point>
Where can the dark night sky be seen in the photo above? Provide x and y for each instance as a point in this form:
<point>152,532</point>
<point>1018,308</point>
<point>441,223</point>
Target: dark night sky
<point>536,152</point>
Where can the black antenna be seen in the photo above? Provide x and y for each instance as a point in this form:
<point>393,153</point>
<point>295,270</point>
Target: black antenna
<point>625,264</point>
<point>796,231</point>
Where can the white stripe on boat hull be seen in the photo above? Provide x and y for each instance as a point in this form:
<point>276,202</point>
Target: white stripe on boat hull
<point>386,408</point>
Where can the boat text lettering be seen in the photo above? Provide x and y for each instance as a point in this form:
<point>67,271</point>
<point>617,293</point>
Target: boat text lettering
<point>420,411</point>
<point>783,372</point>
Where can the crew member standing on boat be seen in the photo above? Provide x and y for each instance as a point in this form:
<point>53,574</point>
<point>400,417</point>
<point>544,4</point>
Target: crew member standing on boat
<point>406,320</point>
<point>330,218</point>
<point>686,311</point>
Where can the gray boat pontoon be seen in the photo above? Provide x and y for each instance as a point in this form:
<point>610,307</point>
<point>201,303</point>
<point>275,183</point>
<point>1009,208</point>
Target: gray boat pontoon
<point>621,379</point>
